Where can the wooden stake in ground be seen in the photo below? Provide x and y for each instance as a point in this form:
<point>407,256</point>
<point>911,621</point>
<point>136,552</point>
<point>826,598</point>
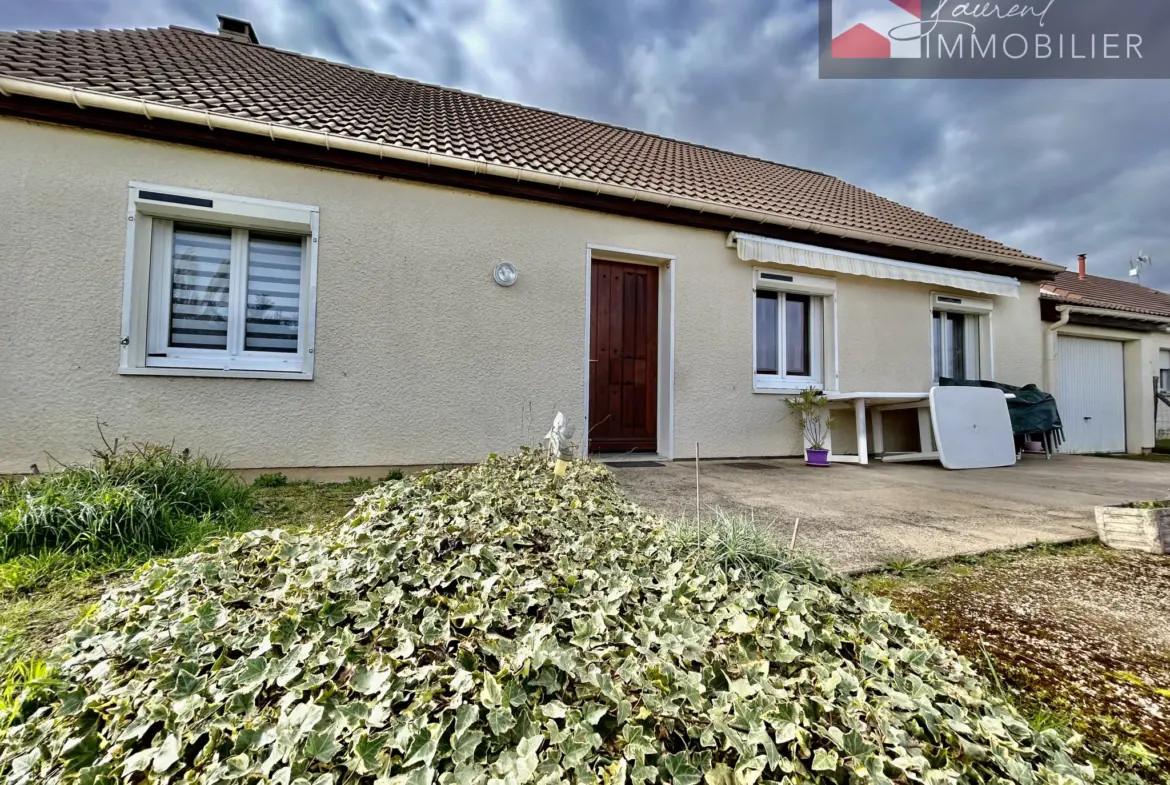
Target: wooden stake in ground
<point>792,543</point>
<point>696,482</point>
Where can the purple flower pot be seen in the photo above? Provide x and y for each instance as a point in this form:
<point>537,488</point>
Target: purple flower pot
<point>816,457</point>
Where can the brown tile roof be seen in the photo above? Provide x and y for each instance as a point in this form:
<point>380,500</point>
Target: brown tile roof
<point>212,73</point>
<point>1097,292</point>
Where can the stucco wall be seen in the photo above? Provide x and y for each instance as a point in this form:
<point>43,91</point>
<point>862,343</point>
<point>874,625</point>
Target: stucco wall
<point>420,358</point>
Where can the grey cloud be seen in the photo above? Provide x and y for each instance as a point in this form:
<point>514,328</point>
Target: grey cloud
<point>1053,167</point>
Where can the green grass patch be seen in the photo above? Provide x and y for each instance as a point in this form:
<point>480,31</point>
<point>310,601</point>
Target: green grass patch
<point>1149,457</point>
<point>127,502</point>
<point>305,505</point>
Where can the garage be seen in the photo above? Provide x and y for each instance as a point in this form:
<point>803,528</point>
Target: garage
<point>1091,394</point>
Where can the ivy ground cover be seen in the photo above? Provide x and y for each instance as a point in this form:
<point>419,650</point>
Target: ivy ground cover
<point>494,625</point>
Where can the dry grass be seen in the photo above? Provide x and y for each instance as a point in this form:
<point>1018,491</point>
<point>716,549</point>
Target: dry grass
<point>1078,635</point>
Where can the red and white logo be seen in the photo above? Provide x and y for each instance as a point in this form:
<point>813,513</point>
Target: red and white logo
<point>872,28</point>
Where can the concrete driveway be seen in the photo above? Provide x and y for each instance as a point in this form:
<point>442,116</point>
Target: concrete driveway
<point>862,517</point>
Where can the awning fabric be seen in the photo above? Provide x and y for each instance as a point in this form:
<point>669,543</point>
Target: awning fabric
<point>753,248</point>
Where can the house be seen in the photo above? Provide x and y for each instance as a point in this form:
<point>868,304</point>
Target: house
<point>1108,357</point>
<point>297,263</point>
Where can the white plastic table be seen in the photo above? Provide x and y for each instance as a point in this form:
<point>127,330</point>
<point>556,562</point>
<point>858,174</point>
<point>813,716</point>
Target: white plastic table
<point>882,401</point>
<point>877,403</point>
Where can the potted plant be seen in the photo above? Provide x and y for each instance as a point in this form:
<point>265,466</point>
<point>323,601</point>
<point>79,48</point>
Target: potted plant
<point>810,408</point>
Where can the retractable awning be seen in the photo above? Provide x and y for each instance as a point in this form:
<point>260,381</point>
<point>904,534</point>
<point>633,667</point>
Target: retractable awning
<point>754,248</point>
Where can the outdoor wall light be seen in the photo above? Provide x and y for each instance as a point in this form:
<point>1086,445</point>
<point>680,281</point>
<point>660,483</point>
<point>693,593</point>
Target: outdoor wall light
<point>505,274</point>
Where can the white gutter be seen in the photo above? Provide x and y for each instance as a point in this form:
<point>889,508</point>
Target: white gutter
<point>1089,310</point>
<point>1094,310</point>
<point>152,110</point>
<point>1067,311</point>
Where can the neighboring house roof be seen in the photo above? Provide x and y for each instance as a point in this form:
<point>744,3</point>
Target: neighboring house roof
<point>1096,292</point>
<point>221,77</point>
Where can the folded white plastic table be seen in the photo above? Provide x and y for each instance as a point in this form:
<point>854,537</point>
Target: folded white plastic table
<point>877,403</point>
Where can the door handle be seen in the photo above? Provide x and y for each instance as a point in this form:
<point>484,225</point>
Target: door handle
<point>1088,418</point>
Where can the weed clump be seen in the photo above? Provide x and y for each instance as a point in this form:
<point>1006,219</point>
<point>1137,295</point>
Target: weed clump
<point>141,499</point>
<point>273,480</point>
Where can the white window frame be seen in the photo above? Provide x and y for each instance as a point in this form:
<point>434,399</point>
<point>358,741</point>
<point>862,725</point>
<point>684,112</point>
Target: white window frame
<point>149,227</point>
<point>822,294</point>
<point>976,332</point>
<point>1164,370</point>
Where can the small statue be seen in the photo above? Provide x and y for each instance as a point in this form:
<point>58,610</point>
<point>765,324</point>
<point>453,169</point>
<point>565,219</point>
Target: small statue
<point>559,442</point>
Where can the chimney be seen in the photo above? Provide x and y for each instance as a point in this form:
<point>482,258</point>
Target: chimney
<point>1081,266</point>
<point>236,29</point>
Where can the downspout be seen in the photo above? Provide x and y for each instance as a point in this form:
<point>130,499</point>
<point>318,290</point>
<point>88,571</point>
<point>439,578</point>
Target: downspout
<point>1065,312</point>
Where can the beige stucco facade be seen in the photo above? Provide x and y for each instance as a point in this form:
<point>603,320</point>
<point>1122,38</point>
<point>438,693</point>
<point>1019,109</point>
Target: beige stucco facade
<point>419,357</point>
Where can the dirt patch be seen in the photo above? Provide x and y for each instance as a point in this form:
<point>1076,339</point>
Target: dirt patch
<point>1082,632</point>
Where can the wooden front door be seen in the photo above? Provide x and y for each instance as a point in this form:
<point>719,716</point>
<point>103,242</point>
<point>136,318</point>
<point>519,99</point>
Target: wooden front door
<point>623,364</point>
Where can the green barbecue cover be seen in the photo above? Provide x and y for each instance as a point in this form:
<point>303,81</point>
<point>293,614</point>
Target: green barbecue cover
<point>1032,410</point>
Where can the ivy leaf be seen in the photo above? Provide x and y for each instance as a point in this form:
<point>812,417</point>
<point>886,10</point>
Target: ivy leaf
<point>465,717</point>
<point>461,682</point>
<point>721,774</point>
<point>186,685</point>
<point>253,672</point>
<point>501,721</point>
<point>282,671</point>
<point>526,759</point>
<point>854,745</point>
<point>680,770</point>
<point>741,623</point>
<point>637,744</point>
<point>211,615</point>
<point>24,765</point>
<point>321,746</point>
<point>490,694</point>
<point>643,773</point>
<point>593,712</point>
<point>139,761</point>
<point>368,681</point>
<point>554,710</point>
<point>366,753</point>
<point>795,626</point>
<point>463,750</point>
<point>422,749</point>
<point>824,760</point>
<point>167,755</point>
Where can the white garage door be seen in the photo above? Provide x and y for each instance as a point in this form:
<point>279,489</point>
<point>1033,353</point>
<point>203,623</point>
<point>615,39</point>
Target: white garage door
<point>1091,394</point>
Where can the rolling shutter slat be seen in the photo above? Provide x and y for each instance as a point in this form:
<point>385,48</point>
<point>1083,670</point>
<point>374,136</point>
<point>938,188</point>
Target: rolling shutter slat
<point>274,294</point>
<point>201,269</point>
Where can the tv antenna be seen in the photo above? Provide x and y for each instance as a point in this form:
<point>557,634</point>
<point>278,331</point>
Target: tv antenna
<point>1137,263</point>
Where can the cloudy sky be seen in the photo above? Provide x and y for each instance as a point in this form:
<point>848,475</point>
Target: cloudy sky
<point>1055,168</point>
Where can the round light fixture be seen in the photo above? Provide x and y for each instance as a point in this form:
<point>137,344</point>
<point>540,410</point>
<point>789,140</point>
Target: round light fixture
<point>505,274</point>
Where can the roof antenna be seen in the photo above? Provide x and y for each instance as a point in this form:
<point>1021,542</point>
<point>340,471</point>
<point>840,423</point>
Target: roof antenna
<point>1137,263</point>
